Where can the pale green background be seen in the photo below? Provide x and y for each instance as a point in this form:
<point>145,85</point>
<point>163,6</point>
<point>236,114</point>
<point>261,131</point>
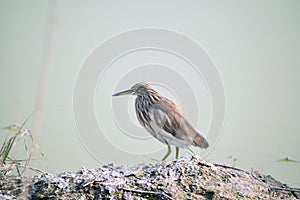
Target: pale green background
<point>254,44</point>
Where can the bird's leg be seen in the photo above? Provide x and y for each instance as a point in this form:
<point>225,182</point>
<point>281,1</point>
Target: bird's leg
<point>192,153</point>
<point>168,153</point>
<point>177,152</point>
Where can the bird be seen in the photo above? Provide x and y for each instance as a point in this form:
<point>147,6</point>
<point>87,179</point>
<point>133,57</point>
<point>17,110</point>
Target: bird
<point>163,119</point>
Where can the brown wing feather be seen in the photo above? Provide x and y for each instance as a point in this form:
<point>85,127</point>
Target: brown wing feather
<point>176,124</point>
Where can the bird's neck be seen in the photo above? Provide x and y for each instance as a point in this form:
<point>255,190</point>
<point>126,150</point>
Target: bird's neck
<point>150,97</point>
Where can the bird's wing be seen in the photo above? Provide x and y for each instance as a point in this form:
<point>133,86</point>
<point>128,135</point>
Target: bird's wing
<point>165,120</point>
<point>168,117</point>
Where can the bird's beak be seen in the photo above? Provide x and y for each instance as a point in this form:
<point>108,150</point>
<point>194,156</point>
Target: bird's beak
<point>123,93</point>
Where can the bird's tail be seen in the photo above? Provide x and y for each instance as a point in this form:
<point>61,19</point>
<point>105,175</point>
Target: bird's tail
<point>200,141</point>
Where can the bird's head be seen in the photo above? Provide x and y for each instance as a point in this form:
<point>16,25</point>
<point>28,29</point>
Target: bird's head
<point>140,89</point>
